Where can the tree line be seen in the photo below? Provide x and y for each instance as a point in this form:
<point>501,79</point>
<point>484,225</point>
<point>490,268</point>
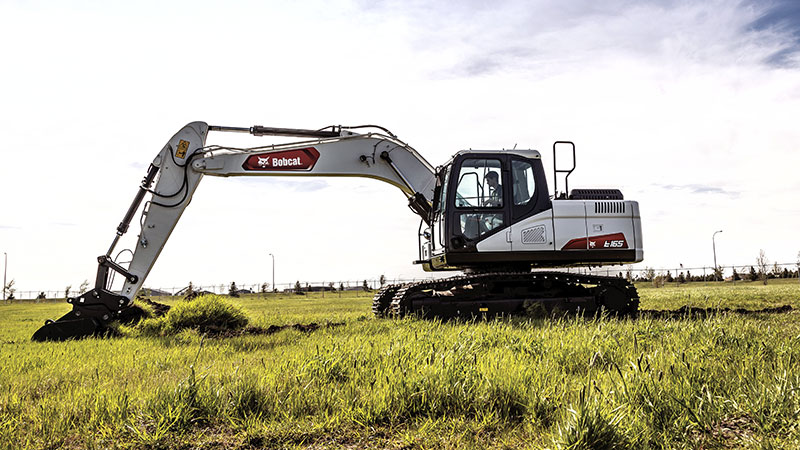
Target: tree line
<point>762,271</point>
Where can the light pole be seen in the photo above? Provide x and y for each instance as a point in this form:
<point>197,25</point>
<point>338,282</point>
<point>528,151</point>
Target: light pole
<point>273,272</point>
<point>714,246</point>
<point>5,269</point>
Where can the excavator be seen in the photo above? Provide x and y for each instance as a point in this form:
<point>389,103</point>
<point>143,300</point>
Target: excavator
<point>485,213</point>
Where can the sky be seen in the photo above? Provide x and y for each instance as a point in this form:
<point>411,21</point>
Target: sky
<point>690,108</point>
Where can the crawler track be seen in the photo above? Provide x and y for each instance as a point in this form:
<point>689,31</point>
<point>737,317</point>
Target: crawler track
<point>382,301</point>
<point>494,293</point>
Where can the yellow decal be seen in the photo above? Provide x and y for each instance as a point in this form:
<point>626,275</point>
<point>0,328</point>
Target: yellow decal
<point>483,309</point>
<point>183,146</point>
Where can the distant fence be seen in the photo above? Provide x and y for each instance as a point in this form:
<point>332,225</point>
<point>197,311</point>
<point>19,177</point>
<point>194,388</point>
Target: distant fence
<point>731,273</point>
<point>242,288</point>
<point>672,274</point>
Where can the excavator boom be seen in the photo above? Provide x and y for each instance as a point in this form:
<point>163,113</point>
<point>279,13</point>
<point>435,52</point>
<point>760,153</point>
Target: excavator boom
<point>181,165</point>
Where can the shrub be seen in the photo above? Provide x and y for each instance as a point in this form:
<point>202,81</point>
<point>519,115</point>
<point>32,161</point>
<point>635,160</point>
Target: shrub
<point>208,313</point>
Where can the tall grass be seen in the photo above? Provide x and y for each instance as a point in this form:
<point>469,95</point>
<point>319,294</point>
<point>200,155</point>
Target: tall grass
<point>726,381</point>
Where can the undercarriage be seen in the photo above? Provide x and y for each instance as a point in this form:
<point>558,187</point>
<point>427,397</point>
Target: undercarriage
<point>507,293</point>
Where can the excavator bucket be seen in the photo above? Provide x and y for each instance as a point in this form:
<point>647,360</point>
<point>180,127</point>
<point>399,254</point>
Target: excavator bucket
<point>90,316</point>
<point>68,327</point>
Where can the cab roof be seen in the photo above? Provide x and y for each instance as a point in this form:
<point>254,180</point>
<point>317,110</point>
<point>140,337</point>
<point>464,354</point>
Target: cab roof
<point>529,154</point>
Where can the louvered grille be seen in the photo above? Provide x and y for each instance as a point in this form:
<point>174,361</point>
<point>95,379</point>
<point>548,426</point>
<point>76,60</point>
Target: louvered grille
<point>533,235</point>
<point>609,208</point>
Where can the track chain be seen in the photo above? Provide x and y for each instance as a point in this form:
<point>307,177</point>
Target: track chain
<point>401,302</point>
<point>382,301</point>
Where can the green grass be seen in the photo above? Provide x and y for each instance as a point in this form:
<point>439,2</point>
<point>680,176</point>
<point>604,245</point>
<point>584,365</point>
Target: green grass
<point>743,294</point>
<point>725,381</point>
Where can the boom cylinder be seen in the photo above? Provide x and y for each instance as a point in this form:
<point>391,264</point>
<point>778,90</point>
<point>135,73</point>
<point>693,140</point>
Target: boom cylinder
<point>258,130</point>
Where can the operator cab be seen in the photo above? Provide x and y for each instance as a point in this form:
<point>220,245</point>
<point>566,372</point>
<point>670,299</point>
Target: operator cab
<point>480,194</point>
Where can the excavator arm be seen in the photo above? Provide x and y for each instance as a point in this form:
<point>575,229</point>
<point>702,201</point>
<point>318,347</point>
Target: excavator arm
<point>176,171</point>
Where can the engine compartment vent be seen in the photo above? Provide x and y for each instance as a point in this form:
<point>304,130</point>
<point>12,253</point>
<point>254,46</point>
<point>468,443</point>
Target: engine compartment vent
<point>535,235</point>
<point>609,208</point>
<point>596,194</point>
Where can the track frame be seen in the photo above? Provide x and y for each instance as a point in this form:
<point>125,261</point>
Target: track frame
<point>508,293</point>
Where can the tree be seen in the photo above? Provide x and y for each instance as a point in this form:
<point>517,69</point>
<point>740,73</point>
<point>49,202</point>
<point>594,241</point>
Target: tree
<point>341,286</point>
<point>629,274</point>
<point>41,296</point>
<point>753,276</point>
<point>736,276</point>
<point>669,278</point>
<point>776,270</point>
<point>649,274</point>
<point>798,265</point>
<point>233,291</point>
<point>264,287</point>
<point>365,286</point>
<point>190,289</point>
<point>66,291</point>
<point>718,273</point>
<point>382,280</point>
<point>681,278</point>
<point>762,262</point>
<point>297,286</point>
<point>9,289</point>
<point>83,287</point>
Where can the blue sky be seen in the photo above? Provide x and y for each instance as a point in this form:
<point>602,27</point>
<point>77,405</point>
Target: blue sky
<point>688,107</point>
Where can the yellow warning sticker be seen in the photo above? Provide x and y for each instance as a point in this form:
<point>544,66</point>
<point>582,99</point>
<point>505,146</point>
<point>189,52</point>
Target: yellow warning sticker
<point>183,147</point>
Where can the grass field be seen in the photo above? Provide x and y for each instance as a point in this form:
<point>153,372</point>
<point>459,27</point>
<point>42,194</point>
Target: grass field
<point>723,381</point>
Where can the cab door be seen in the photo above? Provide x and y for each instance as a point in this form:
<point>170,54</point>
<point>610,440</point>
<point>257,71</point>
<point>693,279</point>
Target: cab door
<point>478,208</point>
<point>531,209</point>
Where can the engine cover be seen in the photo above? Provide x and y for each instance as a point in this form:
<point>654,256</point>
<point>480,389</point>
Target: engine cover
<point>596,194</point>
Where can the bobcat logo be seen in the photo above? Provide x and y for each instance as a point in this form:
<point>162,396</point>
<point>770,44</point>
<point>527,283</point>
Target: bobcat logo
<point>263,162</point>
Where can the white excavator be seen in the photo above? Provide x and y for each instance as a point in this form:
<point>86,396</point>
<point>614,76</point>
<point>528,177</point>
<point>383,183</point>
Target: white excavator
<point>486,213</point>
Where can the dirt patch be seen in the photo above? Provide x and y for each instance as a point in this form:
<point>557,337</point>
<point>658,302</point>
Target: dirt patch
<point>135,313</point>
<point>159,309</point>
<point>272,329</point>
<point>690,311</point>
<point>730,432</point>
<point>306,328</point>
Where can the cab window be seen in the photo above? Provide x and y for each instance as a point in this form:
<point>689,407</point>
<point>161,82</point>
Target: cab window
<point>473,225</point>
<point>479,184</point>
<point>442,200</point>
<point>524,185</point>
